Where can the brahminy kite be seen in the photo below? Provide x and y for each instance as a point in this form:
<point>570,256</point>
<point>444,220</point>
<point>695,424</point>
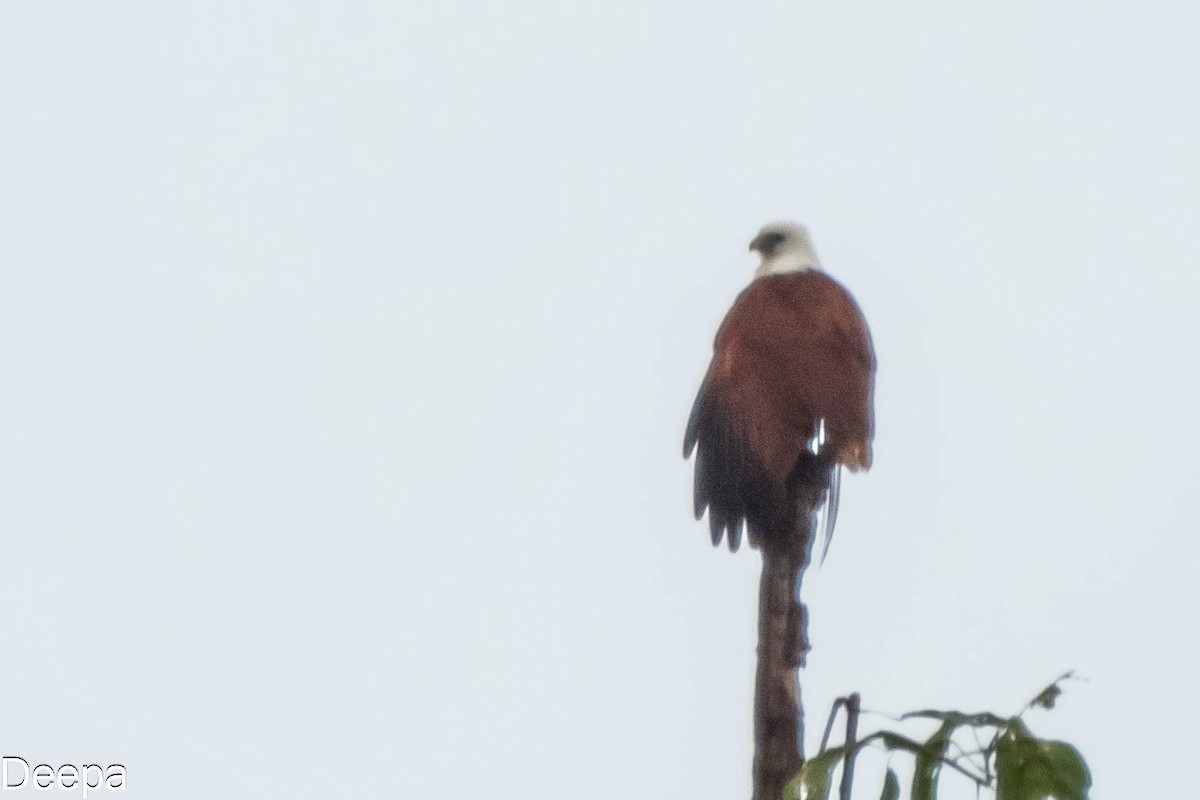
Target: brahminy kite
<point>787,399</point>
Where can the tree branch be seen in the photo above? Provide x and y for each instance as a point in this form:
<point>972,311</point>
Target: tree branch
<point>853,703</point>
<point>837,705</point>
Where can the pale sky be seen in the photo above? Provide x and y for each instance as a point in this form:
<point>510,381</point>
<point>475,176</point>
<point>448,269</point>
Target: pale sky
<point>348,350</point>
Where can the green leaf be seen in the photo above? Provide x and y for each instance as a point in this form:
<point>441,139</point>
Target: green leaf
<point>891,786</point>
<point>815,778</point>
<point>1010,776</point>
<point>1072,778</point>
<point>1047,697</point>
<point>929,762</point>
<point>1028,768</point>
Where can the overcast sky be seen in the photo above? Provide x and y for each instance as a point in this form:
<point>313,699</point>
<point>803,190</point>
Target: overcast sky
<point>347,350</point>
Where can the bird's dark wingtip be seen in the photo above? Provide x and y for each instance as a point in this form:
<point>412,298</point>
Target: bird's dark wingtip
<point>692,434</point>
<point>735,536</point>
<point>716,527</point>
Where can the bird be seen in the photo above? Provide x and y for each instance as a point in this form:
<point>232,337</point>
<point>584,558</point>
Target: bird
<point>787,400</point>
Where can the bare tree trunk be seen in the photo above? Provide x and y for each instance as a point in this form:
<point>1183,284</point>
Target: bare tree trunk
<point>782,644</point>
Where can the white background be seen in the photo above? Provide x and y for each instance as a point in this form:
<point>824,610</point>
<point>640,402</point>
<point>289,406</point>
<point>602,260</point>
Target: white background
<point>347,350</point>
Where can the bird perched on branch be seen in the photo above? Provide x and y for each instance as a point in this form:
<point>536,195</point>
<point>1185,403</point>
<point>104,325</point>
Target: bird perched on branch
<point>787,399</point>
<point>785,404</point>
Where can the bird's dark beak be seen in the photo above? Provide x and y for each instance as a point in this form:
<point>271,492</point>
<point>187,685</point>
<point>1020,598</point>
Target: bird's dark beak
<point>766,243</point>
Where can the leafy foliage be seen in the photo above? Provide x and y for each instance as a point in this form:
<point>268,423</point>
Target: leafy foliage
<point>1048,696</point>
<point>891,786</point>
<point>816,776</point>
<point>1029,768</point>
<point>929,762</point>
<point>1016,764</point>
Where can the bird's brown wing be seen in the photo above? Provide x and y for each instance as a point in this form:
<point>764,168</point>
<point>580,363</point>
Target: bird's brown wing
<point>792,351</point>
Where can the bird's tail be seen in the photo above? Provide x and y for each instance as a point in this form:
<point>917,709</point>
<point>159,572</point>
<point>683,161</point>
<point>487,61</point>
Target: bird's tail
<point>813,491</point>
<point>829,508</point>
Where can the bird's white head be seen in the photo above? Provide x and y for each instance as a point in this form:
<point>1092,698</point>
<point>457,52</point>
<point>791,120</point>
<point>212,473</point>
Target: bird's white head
<point>784,247</point>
